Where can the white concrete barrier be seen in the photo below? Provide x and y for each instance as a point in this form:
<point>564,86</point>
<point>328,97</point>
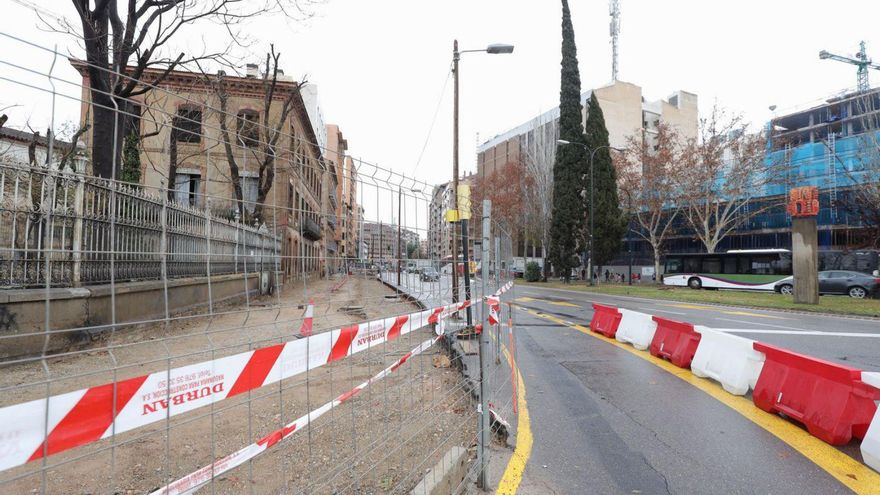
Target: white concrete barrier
<point>727,359</point>
<point>871,443</point>
<point>636,328</point>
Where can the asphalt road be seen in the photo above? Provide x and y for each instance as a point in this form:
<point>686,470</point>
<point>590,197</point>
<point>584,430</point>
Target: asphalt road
<point>851,341</point>
<point>607,421</point>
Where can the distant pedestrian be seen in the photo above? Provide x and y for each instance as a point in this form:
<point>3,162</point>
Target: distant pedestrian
<point>607,275</point>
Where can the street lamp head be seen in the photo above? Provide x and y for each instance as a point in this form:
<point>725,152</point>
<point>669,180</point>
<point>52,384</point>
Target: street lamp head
<point>496,48</point>
<point>562,141</point>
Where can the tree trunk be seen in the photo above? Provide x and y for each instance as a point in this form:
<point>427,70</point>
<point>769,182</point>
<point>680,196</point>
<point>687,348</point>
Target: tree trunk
<point>172,166</point>
<point>656,265</point>
<point>104,122</point>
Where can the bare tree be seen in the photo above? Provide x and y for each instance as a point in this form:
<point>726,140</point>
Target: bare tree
<point>649,176</point>
<point>263,135</point>
<point>722,173</point>
<point>122,41</point>
<point>506,188</point>
<point>538,157</point>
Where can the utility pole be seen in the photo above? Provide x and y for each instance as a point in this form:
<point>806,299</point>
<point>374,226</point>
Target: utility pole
<point>455,57</point>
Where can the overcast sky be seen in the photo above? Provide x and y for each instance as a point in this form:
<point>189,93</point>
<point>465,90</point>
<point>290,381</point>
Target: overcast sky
<point>380,65</point>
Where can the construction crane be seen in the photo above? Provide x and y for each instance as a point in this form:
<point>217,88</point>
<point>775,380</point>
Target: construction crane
<point>861,61</point>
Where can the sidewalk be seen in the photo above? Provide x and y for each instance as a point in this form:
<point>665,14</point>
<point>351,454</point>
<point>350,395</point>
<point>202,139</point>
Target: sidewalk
<point>465,353</point>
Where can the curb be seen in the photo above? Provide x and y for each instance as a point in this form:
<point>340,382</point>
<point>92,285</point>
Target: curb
<point>406,295</point>
<point>451,471</point>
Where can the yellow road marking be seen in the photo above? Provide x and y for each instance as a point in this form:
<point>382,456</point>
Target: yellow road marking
<point>848,471</point>
<point>546,301</point>
<point>513,473</point>
<point>746,313</point>
<point>715,308</point>
<point>685,306</point>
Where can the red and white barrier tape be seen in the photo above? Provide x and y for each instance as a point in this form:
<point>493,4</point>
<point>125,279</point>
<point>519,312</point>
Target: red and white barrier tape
<point>339,284</point>
<point>88,415</point>
<point>197,479</point>
<point>494,302</point>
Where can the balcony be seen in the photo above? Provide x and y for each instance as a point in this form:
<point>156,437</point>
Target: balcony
<point>311,229</point>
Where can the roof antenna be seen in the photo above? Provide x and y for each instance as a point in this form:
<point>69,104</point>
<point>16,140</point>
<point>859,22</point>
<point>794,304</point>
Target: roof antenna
<point>614,12</point>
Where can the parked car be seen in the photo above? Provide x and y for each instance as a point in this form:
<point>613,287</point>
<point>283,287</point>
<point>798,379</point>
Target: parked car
<point>429,275</point>
<point>854,284</point>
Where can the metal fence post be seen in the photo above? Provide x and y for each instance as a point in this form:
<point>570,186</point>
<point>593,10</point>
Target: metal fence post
<point>79,198</point>
<point>483,429</point>
<point>496,264</point>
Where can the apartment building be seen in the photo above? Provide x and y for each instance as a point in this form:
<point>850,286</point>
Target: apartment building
<point>627,113</point>
<point>345,194</point>
<point>382,241</point>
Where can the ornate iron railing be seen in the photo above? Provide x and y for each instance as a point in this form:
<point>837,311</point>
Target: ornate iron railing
<point>83,230</point>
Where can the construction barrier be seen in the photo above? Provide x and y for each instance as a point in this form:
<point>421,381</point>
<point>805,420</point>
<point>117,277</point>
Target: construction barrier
<point>305,329</point>
<point>606,320</point>
<point>88,415</point>
<point>635,328</point>
<point>829,399</point>
<point>728,359</point>
<point>195,480</point>
<point>675,341</point>
<point>871,443</point>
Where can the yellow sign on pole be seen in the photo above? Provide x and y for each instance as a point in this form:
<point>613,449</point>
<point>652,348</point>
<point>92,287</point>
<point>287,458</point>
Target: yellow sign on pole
<point>464,202</point>
<point>451,216</point>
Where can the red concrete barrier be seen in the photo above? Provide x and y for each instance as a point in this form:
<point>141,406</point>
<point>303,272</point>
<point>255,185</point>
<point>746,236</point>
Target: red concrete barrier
<point>828,398</point>
<point>605,320</point>
<point>675,341</point>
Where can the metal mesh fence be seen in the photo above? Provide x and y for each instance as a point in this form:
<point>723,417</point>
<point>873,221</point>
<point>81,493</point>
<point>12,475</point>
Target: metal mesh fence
<point>301,337</point>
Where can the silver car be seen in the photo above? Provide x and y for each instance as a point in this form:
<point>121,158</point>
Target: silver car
<point>854,284</point>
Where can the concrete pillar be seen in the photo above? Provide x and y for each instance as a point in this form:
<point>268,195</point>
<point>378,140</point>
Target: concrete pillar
<point>805,259</point>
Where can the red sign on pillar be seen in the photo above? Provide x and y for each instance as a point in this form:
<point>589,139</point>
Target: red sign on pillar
<point>803,202</point>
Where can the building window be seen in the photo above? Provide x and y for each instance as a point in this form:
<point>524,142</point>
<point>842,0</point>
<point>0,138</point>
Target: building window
<point>249,188</point>
<point>186,188</point>
<point>188,125</point>
<point>248,127</point>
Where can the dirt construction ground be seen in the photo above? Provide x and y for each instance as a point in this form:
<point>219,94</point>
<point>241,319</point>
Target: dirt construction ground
<point>381,441</point>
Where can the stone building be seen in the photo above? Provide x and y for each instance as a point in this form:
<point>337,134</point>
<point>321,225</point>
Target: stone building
<point>183,115</point>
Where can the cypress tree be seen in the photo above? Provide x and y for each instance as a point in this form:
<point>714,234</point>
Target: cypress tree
<point>609,220</point>
<point>568,211</point>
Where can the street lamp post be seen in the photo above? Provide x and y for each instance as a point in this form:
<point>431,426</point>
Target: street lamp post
<point>493,49</point>
<point>483,439</point>
<point>592,223</point>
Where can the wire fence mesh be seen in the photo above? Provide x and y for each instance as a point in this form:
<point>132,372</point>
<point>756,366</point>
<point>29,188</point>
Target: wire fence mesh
<point>262,330</point>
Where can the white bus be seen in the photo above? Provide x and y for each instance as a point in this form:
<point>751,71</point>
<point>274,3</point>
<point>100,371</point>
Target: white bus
<point>745,269</point>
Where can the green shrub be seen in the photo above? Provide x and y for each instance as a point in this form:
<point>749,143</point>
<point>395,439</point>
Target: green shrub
<point>533,271</point>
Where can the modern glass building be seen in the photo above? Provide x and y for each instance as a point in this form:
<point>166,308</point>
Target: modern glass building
<point>832,146</point>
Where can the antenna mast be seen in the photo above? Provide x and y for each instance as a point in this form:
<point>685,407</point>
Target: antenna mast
<point>614,12</point>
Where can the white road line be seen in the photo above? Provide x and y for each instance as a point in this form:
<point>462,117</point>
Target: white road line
<point>726,306</point>
<point>663,311</point>
<point>803,332</point>
<point>762,324</point>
